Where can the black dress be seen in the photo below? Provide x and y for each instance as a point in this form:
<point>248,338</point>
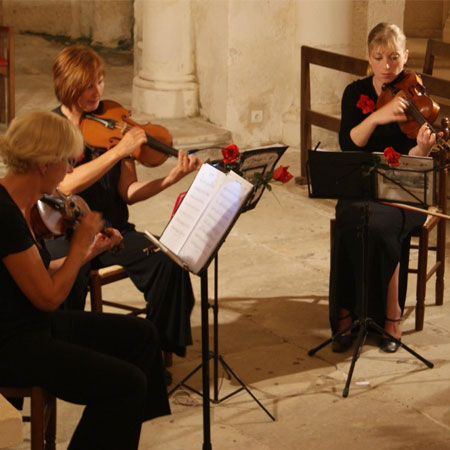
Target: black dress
<point>110,363</point>
<point>389,227</point>
<point>167,288</point>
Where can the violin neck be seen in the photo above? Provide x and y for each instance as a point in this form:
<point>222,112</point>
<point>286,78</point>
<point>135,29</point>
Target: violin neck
<point>160,146</point>
<point>418,117</point>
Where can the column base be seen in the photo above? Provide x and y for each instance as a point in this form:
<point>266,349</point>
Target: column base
<point>164,104</point>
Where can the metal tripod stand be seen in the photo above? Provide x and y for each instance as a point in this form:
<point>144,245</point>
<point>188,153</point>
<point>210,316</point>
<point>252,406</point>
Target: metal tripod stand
<point>364,322</point>
<point>217,358</point>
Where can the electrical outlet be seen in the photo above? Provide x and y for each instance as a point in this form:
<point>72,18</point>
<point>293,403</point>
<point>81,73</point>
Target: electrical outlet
<point>256,116</point>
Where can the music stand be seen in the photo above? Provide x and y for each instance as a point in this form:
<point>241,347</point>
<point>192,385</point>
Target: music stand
<point>261,160</point>
<point>350,175</point>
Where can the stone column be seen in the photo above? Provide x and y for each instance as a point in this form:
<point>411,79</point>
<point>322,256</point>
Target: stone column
<point>166,86</point>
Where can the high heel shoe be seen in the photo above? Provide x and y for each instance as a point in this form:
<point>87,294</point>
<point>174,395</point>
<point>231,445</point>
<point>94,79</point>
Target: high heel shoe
<point>387,344</point>
<point>343,342</point>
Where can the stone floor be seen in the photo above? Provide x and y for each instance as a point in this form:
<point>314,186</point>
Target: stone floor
<point>273,294</point>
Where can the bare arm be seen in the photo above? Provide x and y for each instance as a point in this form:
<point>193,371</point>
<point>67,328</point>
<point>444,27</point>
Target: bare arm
<point>87,174</point>
<point>132,190</point>
<point>47,290</point>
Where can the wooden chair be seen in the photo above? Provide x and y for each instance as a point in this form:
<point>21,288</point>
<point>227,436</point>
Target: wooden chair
<point>309,118</point>
<point>434,48</point>
<point>42,415</point>
<point>423,246</point>
<point>7,72</point>
<point>107,275</point>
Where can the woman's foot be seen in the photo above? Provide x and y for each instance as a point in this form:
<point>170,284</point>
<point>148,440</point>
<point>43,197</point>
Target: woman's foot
<point>393,327</point>
<point>343,342</point>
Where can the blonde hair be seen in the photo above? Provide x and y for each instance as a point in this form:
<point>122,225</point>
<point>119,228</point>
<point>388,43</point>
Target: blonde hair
<point>75,69</point>
<point>39,137</point>
<point>387,35</point>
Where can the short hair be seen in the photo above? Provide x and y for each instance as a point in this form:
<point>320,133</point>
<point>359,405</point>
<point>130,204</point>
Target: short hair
<point>39,137</point>
<point>386,35</point>
<point>75,69</point>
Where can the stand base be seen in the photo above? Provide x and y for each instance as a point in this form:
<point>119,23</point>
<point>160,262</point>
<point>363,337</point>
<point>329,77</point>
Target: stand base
<point>364,325</point>
<point>229,371</point>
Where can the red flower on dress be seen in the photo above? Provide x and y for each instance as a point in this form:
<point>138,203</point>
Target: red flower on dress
<point>392,157</point>
<point>366,104</point>
<point>230,154</point>
<point>282,174</point>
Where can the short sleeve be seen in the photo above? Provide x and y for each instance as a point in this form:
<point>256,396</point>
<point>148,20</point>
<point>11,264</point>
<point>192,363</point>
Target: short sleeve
<point>14,233</point>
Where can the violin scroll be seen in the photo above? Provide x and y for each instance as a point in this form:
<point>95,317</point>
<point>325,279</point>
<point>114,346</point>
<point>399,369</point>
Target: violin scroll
<point>57,215</point>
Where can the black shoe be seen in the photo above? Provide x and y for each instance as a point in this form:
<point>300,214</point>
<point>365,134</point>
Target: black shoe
<point>342,343</point>
<point>388,345</point>
<point>167,377</point>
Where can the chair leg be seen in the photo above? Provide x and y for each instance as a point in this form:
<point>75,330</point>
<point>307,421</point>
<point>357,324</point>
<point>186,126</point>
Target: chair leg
<point>50,432</point>
<point>37,419</point>
<point>440,257</point>
<point>421,279</point>
<point>95,289</point>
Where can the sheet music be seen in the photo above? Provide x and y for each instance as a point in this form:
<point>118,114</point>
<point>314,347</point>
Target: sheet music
<point>205,215</point>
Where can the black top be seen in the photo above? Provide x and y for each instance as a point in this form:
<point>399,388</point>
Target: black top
<point>16,311</point>
<point>352,115</point>
<point>103,195</point>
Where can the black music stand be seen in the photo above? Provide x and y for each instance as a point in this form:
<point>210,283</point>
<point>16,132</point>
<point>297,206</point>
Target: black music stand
<point>350,175</point>
<point>261,161</point>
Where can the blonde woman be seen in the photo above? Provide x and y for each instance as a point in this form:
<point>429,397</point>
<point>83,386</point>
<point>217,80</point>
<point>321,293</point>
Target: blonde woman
<point>365,128</point>
<point>110,363</point>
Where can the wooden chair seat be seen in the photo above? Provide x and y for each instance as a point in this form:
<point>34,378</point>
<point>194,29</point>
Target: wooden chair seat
<point>42,415</point>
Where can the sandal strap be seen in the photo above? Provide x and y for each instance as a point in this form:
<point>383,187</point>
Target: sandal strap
<point>393,320</point>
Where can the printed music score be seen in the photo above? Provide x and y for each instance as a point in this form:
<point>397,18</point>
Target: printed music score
<point>205,215</point>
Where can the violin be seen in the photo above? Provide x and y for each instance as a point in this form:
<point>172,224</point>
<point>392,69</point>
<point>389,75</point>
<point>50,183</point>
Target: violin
<point>421,107</point>
<point>106,126</point>
<point>59,215</point>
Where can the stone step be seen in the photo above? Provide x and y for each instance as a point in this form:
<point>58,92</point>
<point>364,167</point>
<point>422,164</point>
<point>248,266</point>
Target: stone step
<point>195,133</point>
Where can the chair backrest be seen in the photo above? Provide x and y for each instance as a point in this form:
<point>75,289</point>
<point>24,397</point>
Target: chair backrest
<point>7,70</point>
<point>435,48</point>
<point>309,117</point>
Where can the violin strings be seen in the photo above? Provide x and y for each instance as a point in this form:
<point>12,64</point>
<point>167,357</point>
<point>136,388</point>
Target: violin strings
<point>420,119</point>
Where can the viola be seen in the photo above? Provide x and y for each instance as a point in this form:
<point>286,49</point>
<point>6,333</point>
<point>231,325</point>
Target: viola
<point>421,107</point>
<point>59,215</point>
<point>106,126</point>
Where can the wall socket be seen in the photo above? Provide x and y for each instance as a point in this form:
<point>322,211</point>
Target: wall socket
<point>256,116</point>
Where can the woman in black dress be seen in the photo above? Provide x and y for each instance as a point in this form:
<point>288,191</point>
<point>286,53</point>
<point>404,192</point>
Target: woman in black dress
<point>108,182</point>
<point>365,128</point>
<point>110,363</point>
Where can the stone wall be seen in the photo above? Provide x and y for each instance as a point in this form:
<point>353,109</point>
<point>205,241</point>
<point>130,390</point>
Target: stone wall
<point>108,23</point>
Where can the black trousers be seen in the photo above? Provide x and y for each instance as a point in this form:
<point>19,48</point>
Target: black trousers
<point>110,363</point>
<point>167,288</point>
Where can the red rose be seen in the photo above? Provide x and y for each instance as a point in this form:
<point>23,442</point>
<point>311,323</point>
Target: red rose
<point>282,174</point>
<point>392,156</point>
<point>366,104</point>
<point>230,154</point>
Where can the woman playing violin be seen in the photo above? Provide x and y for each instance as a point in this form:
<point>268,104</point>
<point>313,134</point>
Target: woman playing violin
<point>108,182</point>
<point>366,128</point>
<point>67,353</point>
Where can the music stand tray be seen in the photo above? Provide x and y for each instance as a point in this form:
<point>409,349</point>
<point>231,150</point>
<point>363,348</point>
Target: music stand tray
<point>350,175</point>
